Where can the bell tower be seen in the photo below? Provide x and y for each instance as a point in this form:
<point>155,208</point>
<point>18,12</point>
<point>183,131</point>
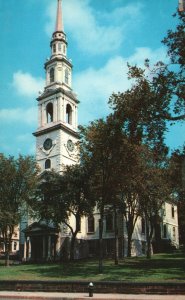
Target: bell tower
<point>56,135</point>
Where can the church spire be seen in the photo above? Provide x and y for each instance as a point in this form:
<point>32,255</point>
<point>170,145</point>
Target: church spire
<point>59,23</point>
<point>58,67</point>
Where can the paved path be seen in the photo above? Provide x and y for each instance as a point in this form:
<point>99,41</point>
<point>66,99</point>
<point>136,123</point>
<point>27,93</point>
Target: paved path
<point>83,296</point>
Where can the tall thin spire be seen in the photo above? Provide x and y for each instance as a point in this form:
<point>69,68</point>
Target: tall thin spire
<point>59,23</point>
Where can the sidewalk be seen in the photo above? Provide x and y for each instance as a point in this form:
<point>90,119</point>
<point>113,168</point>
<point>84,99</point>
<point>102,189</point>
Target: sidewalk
<point>6,295</point>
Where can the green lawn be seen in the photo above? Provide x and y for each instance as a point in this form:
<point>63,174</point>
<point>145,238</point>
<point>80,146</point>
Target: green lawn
<point>161,268</point>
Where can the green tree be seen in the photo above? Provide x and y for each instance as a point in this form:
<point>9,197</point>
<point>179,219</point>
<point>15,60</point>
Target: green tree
<point>177,181</point>
<point>154,192</point>
<point>101,144</point>
<point>58,197</point>
<point>131,181</point>
<point>144,112</point>
<point>18,179</point>
<point>78,198</point>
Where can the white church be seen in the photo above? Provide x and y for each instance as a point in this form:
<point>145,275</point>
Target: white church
<point>56,136</point>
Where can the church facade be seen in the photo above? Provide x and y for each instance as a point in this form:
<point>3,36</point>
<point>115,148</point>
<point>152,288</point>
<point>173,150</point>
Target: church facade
<point>56,137</point>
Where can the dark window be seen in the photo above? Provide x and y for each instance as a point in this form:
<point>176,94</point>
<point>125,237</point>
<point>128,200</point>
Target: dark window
<point>68,114</point>
<point>48,164</point>
<point>49,112</point>
<point>79,225</point>
<point>143,226</point>
<point>90,223</point>
<point>164,231</point>
<point>174,233</point>
<point>54,48</point>
<point>173,212</point>
<point>15,246</point>
<point>52,75</point>
<point>109,222</point>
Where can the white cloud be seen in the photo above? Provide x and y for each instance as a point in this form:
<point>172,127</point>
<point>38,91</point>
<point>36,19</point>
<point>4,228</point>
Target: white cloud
<point>27,85</point>
<point>142,53</point>
<point>95,86</point>
<point>19,115</point>
<point>86,25</point>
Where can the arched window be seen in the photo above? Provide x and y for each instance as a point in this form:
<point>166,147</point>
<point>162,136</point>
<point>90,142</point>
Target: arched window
<point>48,164</point>
<point>68,114</point>
<point>90,224</point>
<point>52,75</point>
<point>49,112</point>
<point>66,76</point>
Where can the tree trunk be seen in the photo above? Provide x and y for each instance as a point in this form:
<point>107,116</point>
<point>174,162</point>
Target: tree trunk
<point>129,245</point>
<point>72,245</point>
<point>7,253</point>
<point>74,234</point>
<point>130,228</point>
<point>149,250</point>
<point>100,245</point>
<point>122,252</point>
<point>116,252</point>
<point>149,234</point>
<point>129,232</point>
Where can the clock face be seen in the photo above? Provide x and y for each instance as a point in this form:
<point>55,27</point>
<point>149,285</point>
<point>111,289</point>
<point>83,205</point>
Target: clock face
<point>70,145</point>
<point>47,144</point>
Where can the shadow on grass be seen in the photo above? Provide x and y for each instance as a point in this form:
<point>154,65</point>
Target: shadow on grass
<point>163,267</point>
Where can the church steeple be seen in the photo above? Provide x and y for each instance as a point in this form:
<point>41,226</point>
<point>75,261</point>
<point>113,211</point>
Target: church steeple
<point>58,42</point>
<point>58,67</point>
<point>59,21</point>
<point>58,106</point>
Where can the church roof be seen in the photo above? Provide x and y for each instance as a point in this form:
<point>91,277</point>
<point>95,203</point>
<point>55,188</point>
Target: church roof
<point>38,227</point>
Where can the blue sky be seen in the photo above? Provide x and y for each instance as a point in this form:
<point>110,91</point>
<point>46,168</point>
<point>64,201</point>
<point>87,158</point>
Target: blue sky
<point>103,35</point>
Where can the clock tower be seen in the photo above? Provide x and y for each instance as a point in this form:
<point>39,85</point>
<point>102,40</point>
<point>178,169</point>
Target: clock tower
<point>56,135</point>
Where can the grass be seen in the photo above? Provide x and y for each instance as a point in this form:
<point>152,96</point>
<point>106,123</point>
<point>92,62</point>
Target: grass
<point>161,268</point>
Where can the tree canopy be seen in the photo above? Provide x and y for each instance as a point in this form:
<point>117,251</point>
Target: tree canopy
<point>18,179</point>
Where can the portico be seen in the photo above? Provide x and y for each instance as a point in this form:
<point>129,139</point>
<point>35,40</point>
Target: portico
<point>40,242</point>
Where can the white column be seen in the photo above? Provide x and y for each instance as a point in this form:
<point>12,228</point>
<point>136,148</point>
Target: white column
<point>58,109</point>
<point>47,77</point>
<point>39,115</point>
<point>60,105</point>
<point>64,111</point>
<point>25,250</point>
<point>55,110</point>
<point>43,115</point>
<point>76,117</point>
<point>29,248</point>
